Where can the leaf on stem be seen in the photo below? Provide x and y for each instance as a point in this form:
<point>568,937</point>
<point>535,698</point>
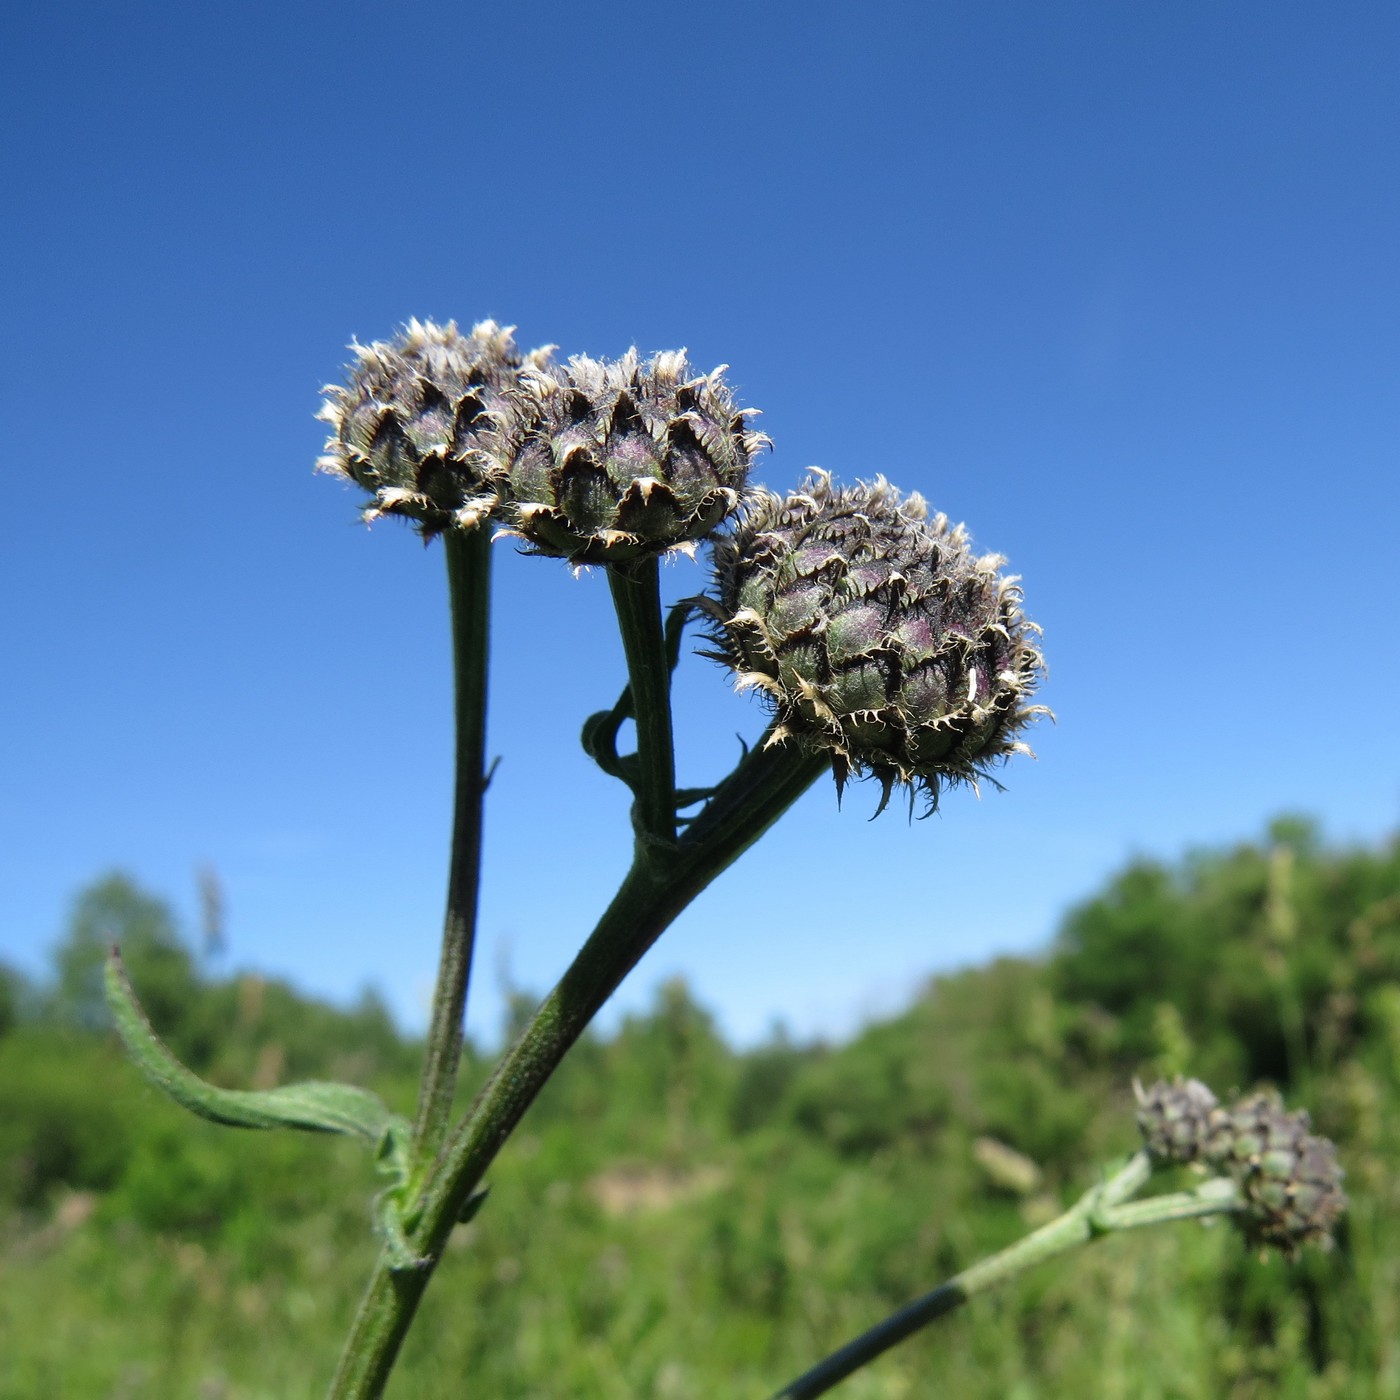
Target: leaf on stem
<point>599,740</point>
<point>314,1106</point>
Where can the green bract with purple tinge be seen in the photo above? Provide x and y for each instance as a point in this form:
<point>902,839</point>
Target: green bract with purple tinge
<point>876,634</point>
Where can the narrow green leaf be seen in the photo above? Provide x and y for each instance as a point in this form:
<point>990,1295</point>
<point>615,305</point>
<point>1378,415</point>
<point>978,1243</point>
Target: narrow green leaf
<point>676,620</point>
<point>600,730</point>
<point>600,736</point>
<point>315,1106</point>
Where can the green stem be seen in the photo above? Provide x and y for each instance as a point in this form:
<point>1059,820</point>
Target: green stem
<point>636,593</point>
<point>759,790</point>
<point>1218,1196</point>
<point>1100,1210</point>
<point>468,554</point>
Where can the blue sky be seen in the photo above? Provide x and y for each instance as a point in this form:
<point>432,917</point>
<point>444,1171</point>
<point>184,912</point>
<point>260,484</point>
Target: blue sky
<point>1115,284</point>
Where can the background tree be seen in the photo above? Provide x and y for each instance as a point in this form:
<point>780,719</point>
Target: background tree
<point>114,910</point>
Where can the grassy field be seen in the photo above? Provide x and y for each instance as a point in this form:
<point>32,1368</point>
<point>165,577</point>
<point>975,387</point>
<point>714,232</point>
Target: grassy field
<point>678,1220</point>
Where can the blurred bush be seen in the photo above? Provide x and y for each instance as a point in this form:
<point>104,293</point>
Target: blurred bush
<point>679,1219</point>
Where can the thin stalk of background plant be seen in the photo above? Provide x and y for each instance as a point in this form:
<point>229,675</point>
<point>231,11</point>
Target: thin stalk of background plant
<point>1102,1209</point>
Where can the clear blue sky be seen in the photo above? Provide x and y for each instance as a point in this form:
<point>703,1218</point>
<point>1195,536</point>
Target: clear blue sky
<point>1116,284</point>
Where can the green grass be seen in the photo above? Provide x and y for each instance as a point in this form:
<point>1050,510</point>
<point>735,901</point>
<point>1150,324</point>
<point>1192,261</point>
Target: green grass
<point>676,1220</point>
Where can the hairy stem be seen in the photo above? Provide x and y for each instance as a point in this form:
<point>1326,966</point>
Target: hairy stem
<point>636,593</point>
<point>1075,1227</point>
<point>760,789</point>
<point>1103,1208</point>
<point>469,588</point>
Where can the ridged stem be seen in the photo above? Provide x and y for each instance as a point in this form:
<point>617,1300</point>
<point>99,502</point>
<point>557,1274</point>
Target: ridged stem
<point>468,554</point>
<point>761,788</point>
<point>1104,1208</point>
<point>636,594</point>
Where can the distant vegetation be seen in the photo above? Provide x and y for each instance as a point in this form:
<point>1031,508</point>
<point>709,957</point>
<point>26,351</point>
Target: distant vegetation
<point>678,1220</point>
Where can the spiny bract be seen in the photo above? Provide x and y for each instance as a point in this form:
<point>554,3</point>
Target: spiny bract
<point>875,633</point>
<point>619,459</point>
<point>421,423</point>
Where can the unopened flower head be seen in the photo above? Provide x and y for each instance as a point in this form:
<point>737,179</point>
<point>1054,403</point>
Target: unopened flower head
<point>1176,1118</point>
<point>876,634</point>
<point>421,423</point>
<point>621,459</point>
<point>1289,1177</point>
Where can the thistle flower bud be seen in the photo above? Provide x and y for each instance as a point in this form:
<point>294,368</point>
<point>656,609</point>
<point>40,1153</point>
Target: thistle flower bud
<point>1290,1179</point>
<point>876,634</point>
<point>1176,1118</point>
<point>619,459</point>
<point>421,423</point>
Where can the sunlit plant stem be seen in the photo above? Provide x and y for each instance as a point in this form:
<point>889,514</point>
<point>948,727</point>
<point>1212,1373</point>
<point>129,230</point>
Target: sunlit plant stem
<point>765,783</point>
<point>1102,1209</point>
<point>469,587</point>
<point>637,600</point>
